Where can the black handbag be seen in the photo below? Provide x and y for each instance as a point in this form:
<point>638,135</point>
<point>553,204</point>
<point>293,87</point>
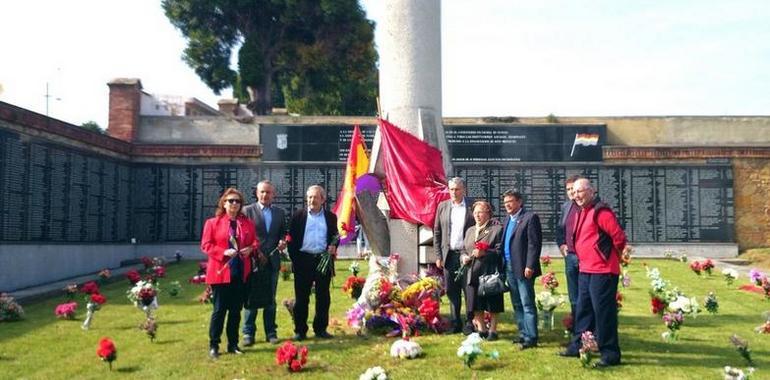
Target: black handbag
<point>492,285</point>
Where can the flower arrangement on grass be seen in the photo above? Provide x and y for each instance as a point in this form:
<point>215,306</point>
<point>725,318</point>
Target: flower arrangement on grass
<point>545,261</point>
<point>133,276</point>
<point>174,288</point>
<point>10,310</point>
<point>696,267</point>
<point>285,270</point>
<point>711,304</point>
<point>354,268</point>
<point>107,351</point>
<point>374,373</point>
<point>470,350</point>
<point>673,322</point>
<point>708,266</point>
<point>104,276</point>
<point>292,356</point>
<point>90,287</point>
<point>550,282</point>
<point>353,286</point>
<point>730,275</point>
<point>147,262</point>
<point>734,373</point>
<point>568,323</point>
<point>144,296</point>
<point>756,277</point>
<point>94,303</point>
<point>588,348</point>
<point>150,327</point>
<point>742,346</point>
<point>69,291</point>
<point>547,302</point>
<point>405,349</point>
<point>66,310</point>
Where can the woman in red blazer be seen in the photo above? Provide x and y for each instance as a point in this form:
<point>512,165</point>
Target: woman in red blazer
<point>228,240</point>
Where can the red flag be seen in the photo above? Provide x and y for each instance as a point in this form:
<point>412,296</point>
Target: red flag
<point>358,165</point>
<point>414,175</point>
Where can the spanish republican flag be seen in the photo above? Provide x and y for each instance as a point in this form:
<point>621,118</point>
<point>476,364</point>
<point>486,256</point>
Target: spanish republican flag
<point>584,139</point>
<point>358,165</point>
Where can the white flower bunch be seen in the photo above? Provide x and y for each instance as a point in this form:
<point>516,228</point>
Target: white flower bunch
<point>688,306</point>
<point>374,373</point>
<point>732,373</point>
<point>657,282</point>
<point>730,275</point>
<point>405,349</point>
<point>470,350</point>
<point>546,301</point>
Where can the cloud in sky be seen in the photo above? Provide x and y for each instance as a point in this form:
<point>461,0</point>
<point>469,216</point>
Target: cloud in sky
<point>499,57</point>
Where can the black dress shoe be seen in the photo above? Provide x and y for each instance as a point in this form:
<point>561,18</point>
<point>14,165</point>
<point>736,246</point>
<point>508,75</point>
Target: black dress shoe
<point>324,335</point>
<point>457,329</point>
<point>568,354</point>
<point>234,350</point>
<point>214,353</point>
<point>492,337</point>
<point>468,330</point>
<point>299,337</point>
<point>527,345</point>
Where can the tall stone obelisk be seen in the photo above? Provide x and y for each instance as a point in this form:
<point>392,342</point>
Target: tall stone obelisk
<point>410,93</point>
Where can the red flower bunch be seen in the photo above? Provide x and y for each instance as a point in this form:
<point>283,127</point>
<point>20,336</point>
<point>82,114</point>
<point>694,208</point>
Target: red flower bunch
<point>202,265</point>
<point>385,288</point>
<point>707,266</point>
<point>696,267</point>
<point>352,284</point>
<point>550,282</point>
<point>657,305</point>
<point>147,262</point>
<point>107,351</point>
<point>429,310</point>
<point>98,299</point>
<point>133,276</point>
<point>482,245</point>
<point>545,261</point>
<point>146,295</point>
<point>159,271</point>
<point>568,322</point>
<point>619,300</point>
<point>198,279</point>
<point>294,357</point>
<point>90,287</point>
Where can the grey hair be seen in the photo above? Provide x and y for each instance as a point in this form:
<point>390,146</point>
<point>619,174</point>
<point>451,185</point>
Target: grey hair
<point>317,187</point>
<point>456,181</point>
<point>587,181</point>
<point>265,182</point>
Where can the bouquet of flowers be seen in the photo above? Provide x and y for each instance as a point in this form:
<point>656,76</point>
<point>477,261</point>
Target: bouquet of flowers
<point>550,282</point>
<point>743,348</point>
<point>711,304</point>
<point>588,348</point>
<point>470,350</point>
<point>374,373</point>
<point>405,349</point>
<point>69,291</point>
<point>353,286</point>
<point>708,266</point>
<point>460,272</point>
<point>150,327</point>
<point>66,310</point>
<point>325,264</point>
<point>90,287</point>
<point>107,351</point>
<point>104,275</point>
<point>285,271</point>
<point>756,276</point>
<point>354,268</point>
<point>429,311</point>
<point>688,306</point>
<point>144,296</point>
<point>730,275</point>
<point>147,262</point>
<point>206,296</point>
<point>133,276</point>
<point>545,261</point>
<point>696,267</point>
<point>763,328</point>
<point>174,288</point>
<point>294,357</point>
<point>10,310</point>
<point>93,303</point>
<point>568,324</point>
<point>547,302</point>
<point>733,373</point>
<point>159,271</point>
<point>673,322</point>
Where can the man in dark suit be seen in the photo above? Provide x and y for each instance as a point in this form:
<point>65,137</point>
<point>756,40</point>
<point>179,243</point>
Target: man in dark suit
<point>313,232</point>
<point>522,243</point>
<point>565,240</point>
<point>453,217</point>
<point>270,225</point>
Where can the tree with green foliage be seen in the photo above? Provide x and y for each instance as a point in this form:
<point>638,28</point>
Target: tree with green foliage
<point>92,126</point>
<point>317,56</point>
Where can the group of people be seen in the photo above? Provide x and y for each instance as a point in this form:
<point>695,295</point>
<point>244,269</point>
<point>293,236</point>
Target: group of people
<point>589,238</point>
<point>243,245</point>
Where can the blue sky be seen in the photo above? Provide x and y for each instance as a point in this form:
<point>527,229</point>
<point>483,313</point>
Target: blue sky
<point>499,58</point>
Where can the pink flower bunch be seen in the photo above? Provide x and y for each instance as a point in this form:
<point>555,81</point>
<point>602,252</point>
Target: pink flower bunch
<point>66,310</point>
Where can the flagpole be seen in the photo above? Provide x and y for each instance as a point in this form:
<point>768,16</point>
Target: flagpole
<point>573,145</point>
<point>379,108</point>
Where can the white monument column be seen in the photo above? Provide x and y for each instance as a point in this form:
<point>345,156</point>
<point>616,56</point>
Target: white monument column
<point>410,93</point>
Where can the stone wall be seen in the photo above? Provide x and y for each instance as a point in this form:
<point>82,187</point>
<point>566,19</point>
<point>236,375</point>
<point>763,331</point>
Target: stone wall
<point>752,202</point>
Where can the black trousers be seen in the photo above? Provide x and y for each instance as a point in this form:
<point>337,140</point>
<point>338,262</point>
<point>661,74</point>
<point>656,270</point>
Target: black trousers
<point>305,274</point>
<point>597,311</point>
<point>454,289</point>
<point>228,302</point>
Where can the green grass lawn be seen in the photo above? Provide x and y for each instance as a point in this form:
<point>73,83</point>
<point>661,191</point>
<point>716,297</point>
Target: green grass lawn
<point>42,347</point>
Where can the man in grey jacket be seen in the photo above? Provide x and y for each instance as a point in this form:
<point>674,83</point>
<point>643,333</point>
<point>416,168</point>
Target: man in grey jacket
<point>270,224</point>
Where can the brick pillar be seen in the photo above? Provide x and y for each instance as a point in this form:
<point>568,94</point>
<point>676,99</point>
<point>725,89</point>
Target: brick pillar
<point>125,104</point>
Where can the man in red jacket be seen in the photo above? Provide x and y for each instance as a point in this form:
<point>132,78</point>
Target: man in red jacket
<point>599,243</point>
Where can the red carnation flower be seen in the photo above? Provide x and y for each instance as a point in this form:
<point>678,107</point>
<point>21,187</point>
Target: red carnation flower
<point>90,288</point>
<point>160,271</point>
<point>98,298</point>
<point>107,351</point>
<point>482,245</point>
<point>287,238</point>
<point>133,276</point>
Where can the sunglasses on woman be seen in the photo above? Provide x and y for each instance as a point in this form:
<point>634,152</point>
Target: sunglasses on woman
<point>233,200</point>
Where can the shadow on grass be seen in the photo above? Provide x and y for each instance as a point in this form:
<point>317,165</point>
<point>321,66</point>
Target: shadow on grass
<point>170,341</point>
<point>129,369</point>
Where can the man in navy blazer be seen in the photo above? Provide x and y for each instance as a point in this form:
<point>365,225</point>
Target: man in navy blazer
<point>522,243</point>
<point>313,231</point>
<point>270,224</point>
